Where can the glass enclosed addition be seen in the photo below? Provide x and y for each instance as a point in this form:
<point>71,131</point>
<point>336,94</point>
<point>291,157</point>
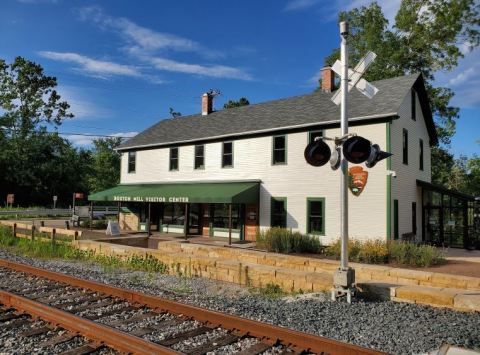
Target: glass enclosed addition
<point>227,155</point>
<point>132,161</point>
<point>199,156</point>
<point>315,215</point>
<point>278,212</point>
<point>173,159</point>
<point>446,219</point>
<point>279,150</point>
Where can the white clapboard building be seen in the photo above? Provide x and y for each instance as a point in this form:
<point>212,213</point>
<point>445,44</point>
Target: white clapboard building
<point>240,169</point>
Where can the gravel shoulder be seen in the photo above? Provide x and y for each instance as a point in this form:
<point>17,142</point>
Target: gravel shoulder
<point>397,328</point>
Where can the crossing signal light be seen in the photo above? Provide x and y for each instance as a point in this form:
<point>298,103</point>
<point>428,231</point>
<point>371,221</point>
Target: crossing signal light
<point>355,149</point>
<point>376,154</point>
<point>317,153</point>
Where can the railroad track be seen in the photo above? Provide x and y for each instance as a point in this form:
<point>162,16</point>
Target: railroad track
<point>83,316</point>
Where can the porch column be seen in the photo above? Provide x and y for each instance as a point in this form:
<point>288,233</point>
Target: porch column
<point>185,222</point>
<point>149,222</point>
<point>119,205</point>
<point>91,216</point>
<point>230,224</point>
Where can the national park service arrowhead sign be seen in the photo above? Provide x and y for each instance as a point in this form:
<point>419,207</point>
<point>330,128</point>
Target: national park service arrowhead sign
<point>357,179</point>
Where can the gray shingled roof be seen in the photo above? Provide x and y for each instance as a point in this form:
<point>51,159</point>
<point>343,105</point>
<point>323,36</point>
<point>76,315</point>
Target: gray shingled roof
<point>310,109</point>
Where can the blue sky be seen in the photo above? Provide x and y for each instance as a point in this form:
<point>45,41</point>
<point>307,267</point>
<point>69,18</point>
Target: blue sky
<point>122,64</point>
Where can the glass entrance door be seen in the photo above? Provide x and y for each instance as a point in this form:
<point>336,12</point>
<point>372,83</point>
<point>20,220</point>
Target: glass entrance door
<point>433,225</point>
<point>193,218</point>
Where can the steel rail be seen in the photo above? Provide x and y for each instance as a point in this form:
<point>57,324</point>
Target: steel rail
<point>297,341</point>
<point>94,331</point>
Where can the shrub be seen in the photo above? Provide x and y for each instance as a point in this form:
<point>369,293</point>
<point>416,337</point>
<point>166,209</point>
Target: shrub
<point>410,254</point>
<point>282,240</point>
<point>379,252</point>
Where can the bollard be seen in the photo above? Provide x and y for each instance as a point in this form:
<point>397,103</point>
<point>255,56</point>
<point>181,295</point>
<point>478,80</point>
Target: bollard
<point>75,236</point>
<point>67,224</point>
<point>42,223</point>
<point>54,231</point>
<point>14,229</point>
<point>33,232</point>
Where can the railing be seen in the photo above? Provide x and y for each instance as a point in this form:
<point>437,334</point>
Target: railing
<point>28,231</point>
<point>56,212</point>
<point>38,212</point>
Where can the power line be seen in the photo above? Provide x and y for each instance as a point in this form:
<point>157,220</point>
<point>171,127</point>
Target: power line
<point>78,134</point>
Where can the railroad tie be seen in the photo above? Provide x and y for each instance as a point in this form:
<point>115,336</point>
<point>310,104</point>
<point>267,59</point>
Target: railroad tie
<point>59,339</point>
<point>169,341</point>
<point>213,344</point>
<point>83,349</point>
<point>132,320</point>
<point>111,312</point>
<point>35,331</point>
<point>255,349</point>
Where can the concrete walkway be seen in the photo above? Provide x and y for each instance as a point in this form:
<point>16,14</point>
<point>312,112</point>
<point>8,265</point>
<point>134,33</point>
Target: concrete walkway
<point>463,255</point>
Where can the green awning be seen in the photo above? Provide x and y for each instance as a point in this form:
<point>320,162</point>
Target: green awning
<point>224,192</point>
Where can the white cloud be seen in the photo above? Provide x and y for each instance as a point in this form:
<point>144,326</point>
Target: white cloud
<point>150,47</point>
<point>464,80</point>
<point>100,68</point>
<point>138,35</point>
<point>216,71</point>
<point>81,105</point>
<point>87,140</point>
<point>295,5</point>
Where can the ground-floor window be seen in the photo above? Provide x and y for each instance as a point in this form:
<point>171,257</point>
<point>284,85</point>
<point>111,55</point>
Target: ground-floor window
<point>174,213</point>
<point>316,215</point>
<point>278,212</point>
<point>220,215</point>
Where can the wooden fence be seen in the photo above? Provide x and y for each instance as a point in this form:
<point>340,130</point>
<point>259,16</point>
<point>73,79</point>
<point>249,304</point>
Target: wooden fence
<point>28,231</point>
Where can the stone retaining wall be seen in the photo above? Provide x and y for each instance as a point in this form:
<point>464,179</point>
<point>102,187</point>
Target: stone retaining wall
<point>297,273</point>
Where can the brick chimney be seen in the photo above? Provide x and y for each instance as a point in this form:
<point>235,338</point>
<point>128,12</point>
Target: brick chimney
<point>328,79</point>
<point>207,104</point>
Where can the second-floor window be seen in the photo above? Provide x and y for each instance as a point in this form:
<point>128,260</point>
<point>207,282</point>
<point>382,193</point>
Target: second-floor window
<point>173,159</point>
<point>278,212</point>
<point>421,154</point>
<point>405,146</point>
<point>227,155</point>
<point>199,156</point>
<point>279,150</point>
<point>132,161</point>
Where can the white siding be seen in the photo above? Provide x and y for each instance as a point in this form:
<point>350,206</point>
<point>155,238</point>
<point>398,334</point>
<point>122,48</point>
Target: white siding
<point>296,180</point>
<point>404,187</point>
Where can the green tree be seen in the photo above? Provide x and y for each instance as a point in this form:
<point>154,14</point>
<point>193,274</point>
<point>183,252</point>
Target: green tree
<point>428,36</point>
<point>232,103</point>
<point>105,165</point>
<point>29,104</point>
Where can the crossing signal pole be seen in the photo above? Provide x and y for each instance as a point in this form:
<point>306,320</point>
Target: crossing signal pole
<point>348,148</point>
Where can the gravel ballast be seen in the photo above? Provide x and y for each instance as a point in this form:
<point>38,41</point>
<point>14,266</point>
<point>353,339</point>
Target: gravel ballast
<point>397,328</point>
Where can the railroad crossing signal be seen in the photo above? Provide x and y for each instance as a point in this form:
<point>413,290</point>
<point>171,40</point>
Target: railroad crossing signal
<point>355,78</point>
<point>348,148</point>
